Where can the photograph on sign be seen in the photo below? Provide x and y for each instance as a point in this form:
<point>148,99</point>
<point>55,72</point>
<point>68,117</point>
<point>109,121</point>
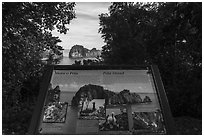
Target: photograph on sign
<point>118,100</point>
<point>92,109</point>
<point>55,112</point>
<point>116,120</point>
<point>148,122</point>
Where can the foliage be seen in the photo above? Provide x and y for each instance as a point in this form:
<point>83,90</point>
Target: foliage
<point>166,34</point>
<point>184,128</point>
<point>97,61</point>
<point>26,36</point>
<point>125,27</point>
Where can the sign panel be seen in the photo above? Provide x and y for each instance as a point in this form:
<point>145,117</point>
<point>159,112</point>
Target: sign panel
<point>102,101</point>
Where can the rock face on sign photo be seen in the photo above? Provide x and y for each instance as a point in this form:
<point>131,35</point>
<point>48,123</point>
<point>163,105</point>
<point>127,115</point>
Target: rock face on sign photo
<point>111,98</point>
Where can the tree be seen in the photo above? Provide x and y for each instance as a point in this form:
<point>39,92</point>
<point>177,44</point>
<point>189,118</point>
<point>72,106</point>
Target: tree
<point>26,35</point>
<point>175,46</point>
<point>125,31</point>
<point>166,34</point>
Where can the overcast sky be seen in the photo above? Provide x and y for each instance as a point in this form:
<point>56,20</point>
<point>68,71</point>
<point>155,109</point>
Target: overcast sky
<point>83,30</point>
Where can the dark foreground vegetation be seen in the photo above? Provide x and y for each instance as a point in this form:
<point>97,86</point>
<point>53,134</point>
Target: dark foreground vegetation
<point>166,34</point>
<point>26,37</point>
<point>184,128</point>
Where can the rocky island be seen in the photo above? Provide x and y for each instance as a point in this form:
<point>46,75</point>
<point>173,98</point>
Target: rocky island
<point>111,98</point>
<point>78,51</point>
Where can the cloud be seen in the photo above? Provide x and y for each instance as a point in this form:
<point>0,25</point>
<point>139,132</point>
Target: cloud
<point>86,16</point>
<point>91,10</point>
<point>84,29</point>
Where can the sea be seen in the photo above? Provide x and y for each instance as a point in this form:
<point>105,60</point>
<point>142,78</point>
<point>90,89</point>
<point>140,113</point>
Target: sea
<point>66,61</point>
<point>69,61</point>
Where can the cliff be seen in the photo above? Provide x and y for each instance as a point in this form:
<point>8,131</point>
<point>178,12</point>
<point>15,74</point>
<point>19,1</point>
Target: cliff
<point>125,97</point>
<point>90,92</point>
<point>78,51</point>
<point>111,98</point>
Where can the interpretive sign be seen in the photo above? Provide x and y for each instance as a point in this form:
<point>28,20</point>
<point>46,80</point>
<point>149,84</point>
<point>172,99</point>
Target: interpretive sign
<point>102,100</point>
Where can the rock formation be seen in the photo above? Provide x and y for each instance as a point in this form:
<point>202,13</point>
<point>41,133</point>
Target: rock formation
<point>129,98</point>
<point>111,98</point>
<point>90,92</point>
<point>147,99</point>
<point>78,51</point>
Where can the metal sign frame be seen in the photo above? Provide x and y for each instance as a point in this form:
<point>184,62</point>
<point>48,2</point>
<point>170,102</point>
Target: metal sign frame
<point>167,116</point>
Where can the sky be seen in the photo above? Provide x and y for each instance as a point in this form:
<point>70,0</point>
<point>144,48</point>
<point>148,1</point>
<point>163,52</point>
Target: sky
<point>83,30</point>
